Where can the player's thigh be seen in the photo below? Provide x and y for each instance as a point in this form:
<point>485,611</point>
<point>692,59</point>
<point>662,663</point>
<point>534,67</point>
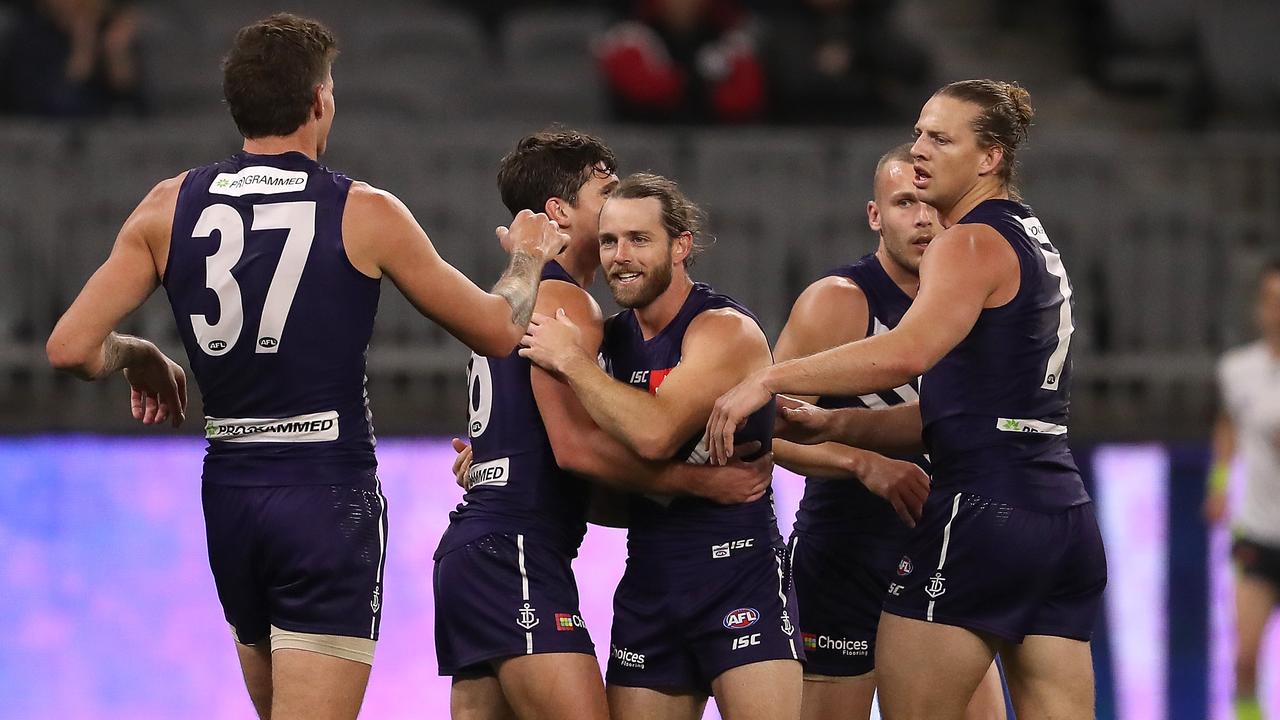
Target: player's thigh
<point>255,664</point>
<point>987,702</point>
<point>478,698</point>
<point>1049,677</point>
<point>637,703</point>
<point>309,685</point>
<point>928,671</point>
<point>1255,599</point>
<point>768,690</point>
<point>554,685</point>
<point>837,698</point>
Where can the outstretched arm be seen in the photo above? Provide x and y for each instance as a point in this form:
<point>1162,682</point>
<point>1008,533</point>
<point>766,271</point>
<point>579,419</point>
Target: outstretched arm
<point>382,237</point>
<point>965,268</point>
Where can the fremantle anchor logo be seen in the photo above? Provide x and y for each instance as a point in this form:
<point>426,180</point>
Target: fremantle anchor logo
<point>528,617</point>
<point>935,585</point>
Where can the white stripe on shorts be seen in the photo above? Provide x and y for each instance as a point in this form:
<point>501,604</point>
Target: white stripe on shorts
<point>783,596</point>
<point>946,541</point>
<point>524,591</point>
<point>382,553</point>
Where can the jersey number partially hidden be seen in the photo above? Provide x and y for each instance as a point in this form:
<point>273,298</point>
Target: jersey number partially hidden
<point>1053,264</point>
<point>479,395</point>
<point>299,218</point>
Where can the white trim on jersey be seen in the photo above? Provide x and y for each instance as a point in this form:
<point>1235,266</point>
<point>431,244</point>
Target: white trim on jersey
<point>872,400</point>
<point>946,542</point>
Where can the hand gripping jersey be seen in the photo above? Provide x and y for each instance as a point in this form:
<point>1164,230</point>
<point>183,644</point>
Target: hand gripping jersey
<point>516,485</point>
<point>847,506</point>
<point>661,524</point>
<point>275,320</point>
<point>995,408</point>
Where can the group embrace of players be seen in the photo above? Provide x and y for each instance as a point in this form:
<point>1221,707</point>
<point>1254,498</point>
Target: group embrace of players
<point>907,573</point>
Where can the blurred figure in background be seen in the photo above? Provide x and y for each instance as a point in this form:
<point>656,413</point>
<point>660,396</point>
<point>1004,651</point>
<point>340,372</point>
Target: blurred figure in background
<point>683,61</point>
<point>840,62</point>
<point>1249,424</point>
<point>71,58</point>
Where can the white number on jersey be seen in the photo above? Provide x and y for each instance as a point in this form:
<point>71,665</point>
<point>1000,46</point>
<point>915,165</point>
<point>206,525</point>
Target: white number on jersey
<point>299,218</point>
<point>1053,263</point>
<point>479,395</point>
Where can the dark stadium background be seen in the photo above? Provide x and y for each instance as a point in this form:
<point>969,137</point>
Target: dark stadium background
<point>1154,163</point>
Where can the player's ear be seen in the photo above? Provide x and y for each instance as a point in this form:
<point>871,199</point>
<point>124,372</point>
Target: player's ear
<point>991,159</point>
<point>681,246</point>
<point>317,102</point>
<point>558,210</point>
<point>873,216</point>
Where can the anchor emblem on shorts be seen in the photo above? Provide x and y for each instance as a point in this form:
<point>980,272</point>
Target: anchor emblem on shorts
<point>935,585</point>
<point>377,601</point>
<point>787,627</point>
<point>528,617</point>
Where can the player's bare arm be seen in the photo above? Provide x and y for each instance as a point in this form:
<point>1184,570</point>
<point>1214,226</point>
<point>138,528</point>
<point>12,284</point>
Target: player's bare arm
<point>382,237</point>
<point>831,312</point>
<point>966,269</point>
<point>720,348</point>
<point>84,342</point>
<point>896,429</point>
<point>581,447</point>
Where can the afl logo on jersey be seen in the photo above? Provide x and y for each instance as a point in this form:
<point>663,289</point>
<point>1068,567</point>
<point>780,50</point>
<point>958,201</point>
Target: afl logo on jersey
<point>268,342</point>
<point>216,345</point>
<point>904,566</point>
<point>741,618</point>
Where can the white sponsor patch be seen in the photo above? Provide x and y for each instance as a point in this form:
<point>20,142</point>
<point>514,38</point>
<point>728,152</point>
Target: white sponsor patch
<point>494,472</point>
<point>258,180</point>
<point>1029,426</point>
<point>315,427</point>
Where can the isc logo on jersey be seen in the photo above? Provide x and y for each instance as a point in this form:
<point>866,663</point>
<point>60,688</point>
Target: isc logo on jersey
<point>742,618</point>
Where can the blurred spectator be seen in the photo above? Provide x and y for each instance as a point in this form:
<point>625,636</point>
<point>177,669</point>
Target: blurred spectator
<point>71,58</point>
<point>841,61</point>
<point>684,61</point>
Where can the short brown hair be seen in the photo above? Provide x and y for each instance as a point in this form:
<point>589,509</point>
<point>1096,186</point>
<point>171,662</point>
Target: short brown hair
<point>551,163</point>
<point>679,214</point>
<point>1004,118</point>
<point>900,153</point>
<point>270,75</point>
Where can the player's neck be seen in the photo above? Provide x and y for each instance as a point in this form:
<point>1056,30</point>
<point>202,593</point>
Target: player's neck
<point>987,188</point>
<point>581,266</point>
<point>300,142</point>
<point>906,280</point>
<point>658,314</point>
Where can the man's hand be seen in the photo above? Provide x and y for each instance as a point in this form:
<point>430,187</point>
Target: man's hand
<point>533,234</point>
<point>737,482</point>
<point>461,463</point>
<point>158,387</point>
<point>801,422</point>
<point>902,484</point>
<point>552,343</point>
<point>731,412</point>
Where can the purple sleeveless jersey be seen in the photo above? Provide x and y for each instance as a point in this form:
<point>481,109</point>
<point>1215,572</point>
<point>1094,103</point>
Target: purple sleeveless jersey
<point>275,319</point>
<point>516,486</point>
<point>845,506</point>
<point>663,524</point>
<point>995,408</point>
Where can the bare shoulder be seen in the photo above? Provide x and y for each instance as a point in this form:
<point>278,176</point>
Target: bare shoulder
<point>365,201</point>
<point>577,303</point>
<point>727,329</point>
<point>828,300</point>
<point>159,204</point>
<point>376,226</point>
<point>967,237</point>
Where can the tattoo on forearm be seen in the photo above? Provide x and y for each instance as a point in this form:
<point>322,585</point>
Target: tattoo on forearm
<point>112,355</point>
<point>519,285</point>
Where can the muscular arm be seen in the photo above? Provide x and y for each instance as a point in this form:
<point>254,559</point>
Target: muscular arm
<point>720,348</point>
<point>966,269</point>
<point>83,342</point>
<point>580,445</point>
<point>382,237</point>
